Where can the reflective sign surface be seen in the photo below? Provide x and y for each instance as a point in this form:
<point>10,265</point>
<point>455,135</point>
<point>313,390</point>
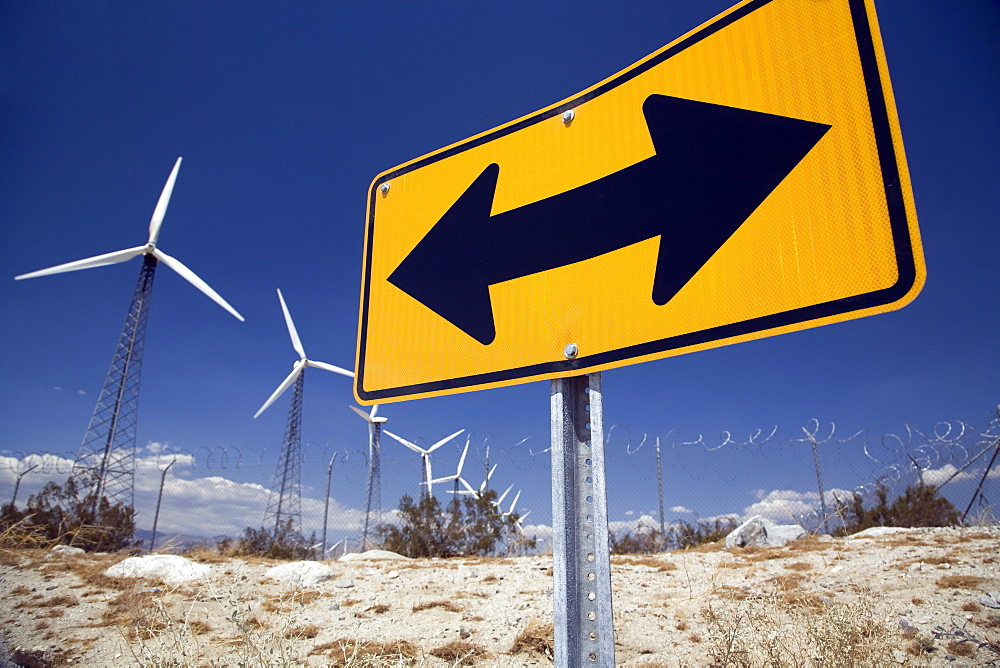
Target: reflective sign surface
<point>746,180</point>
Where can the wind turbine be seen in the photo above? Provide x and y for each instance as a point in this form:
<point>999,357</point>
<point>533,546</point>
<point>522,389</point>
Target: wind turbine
<point>107,453</point>
<point>425,455</point>
<point>373,503</point>
<point>285,491</point>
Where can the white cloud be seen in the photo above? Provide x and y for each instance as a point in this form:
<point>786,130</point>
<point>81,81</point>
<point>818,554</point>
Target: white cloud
<point>81,392</point>
<point>642,524</point>
<point>784,505</point>
<point>57,388</point>
<point>680,509</point>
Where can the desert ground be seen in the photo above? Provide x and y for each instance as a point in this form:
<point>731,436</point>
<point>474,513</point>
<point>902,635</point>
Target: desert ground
<point>913,597</point>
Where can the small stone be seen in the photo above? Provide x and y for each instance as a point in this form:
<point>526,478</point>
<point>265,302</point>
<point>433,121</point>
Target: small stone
<point>464,633</point>
<point>991,600</point>
<point>393,575</point>
<point>950,657</point>
<point>335,607</point>
<point>343,584</point>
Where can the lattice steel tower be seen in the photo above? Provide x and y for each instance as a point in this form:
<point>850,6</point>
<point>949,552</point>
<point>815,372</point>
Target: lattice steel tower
<point>284,504</point>
<point>106,459</point>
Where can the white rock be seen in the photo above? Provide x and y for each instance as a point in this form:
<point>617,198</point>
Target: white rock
<point>373,555</point>
<point>68,549</point>
<point>763,532</point>
<point>875,532</point>
<point>300,573</point>
<point>171,568</point>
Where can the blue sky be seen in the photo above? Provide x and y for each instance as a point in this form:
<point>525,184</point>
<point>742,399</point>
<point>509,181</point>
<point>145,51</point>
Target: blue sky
<point>285,112</point>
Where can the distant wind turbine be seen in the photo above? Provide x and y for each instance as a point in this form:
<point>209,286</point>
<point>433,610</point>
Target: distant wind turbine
<point>286,492</point>
<point>425,455</point>
<point>108,449</point>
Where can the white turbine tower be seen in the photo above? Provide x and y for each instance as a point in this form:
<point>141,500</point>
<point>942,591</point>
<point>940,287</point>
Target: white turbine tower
<point>286,492</point>
<point>373,503</point>
<point>106,455</point>
<point>425,455</point>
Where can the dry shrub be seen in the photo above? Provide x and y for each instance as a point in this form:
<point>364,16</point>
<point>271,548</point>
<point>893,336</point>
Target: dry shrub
<point>535,638</point>
<point>450,606</point>
<point>378,609</point>
<point>490,578</point>
<point>133,614</point>
<point>460,653</point>
<point>767,630</point>
<point>960,582</point>
<point>298,632</point>
<point>652,562</point>
<point>197,627</point>
<point>20,590</point>
<point>959,648</point>
<point>353,652</point>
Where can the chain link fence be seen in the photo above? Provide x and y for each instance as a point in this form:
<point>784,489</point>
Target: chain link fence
<point>803,474</point>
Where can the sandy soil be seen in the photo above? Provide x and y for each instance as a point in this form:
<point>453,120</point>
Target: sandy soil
<point>917,597</point>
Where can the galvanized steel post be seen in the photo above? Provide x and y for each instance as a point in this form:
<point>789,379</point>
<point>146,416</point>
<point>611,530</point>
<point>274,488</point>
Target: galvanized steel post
<point>584,624</point>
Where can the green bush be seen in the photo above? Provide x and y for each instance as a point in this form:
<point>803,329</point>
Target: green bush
<point>473,526</point>
<point>677,536</point>
<point>281,542</point>
<point>919,506</point>
<point>68,514</point>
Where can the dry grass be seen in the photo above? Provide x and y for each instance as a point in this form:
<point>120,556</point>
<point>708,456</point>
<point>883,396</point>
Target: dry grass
<point>460,653</point>
<point>960,582</point>
<point>450,606</point>
<point>654,563</point>
<point>799,566</point>
<point>535,638</point>
<point>353,652</point>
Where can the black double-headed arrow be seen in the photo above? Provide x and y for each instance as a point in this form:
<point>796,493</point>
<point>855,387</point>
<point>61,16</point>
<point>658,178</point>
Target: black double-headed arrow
<point>713,167</point>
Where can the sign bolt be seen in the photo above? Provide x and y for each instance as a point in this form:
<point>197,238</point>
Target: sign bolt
<point>568,116</point>
<point>571,350</point>
<point>384,188</point>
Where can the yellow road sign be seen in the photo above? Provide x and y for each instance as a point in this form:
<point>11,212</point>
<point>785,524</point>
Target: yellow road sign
<point>746,180</point>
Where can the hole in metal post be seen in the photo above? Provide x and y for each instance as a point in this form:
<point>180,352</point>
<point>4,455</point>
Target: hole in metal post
<point>589,462</point>
<point>592,656</point>
<point>591,596</point>
<point>591,616</point>
<point>591,576</point>
<point>590,557</point>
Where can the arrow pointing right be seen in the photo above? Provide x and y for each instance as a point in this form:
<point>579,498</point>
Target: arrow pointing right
<point>713,167</point>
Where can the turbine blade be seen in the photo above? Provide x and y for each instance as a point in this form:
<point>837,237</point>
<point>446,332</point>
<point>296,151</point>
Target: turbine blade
<point>466,485</point>
<point>444,440</point>
<point>374,408</point>
<point>447,478</point>
<point>461,461</point>
<point>362,414</point>
<point>296,370</point>
<point>296,341</point>
<point>412,446</point>
<point>161,205</point>
<point>330,367</point>
<point>87,263</point>
<point>514,502</point>
<point>504,495</point>
<point>430,477</point>
<point>193,279</point>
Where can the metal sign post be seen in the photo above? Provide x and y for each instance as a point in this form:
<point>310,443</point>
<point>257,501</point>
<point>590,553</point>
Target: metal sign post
<point>584,624</point>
